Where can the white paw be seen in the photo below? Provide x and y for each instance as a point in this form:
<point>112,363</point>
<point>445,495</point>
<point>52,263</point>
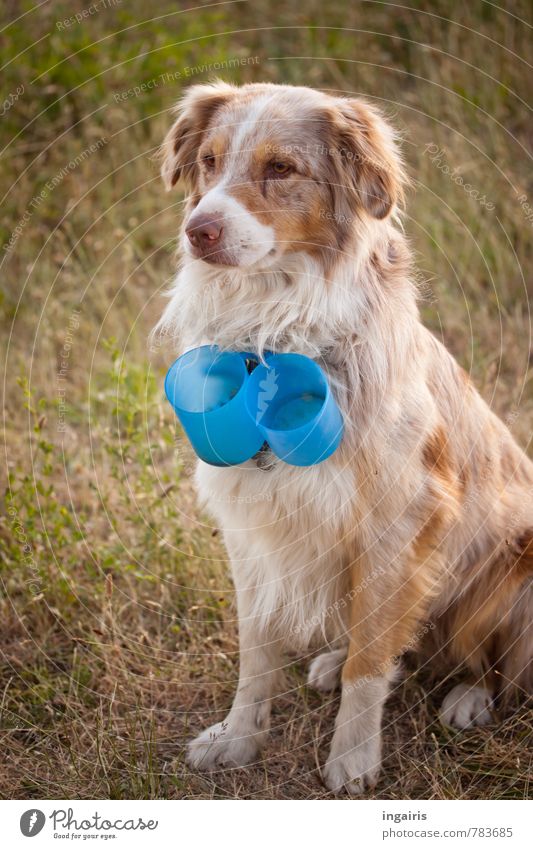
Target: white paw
<point>356,771</point>
<point>466,706</point>
<point>224,744</point>
<point>325,670</point>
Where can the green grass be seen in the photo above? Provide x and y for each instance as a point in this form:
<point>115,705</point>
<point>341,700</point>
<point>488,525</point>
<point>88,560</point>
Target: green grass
<point>118,625</point>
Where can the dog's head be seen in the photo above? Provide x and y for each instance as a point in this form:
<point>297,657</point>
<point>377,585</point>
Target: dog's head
<point>274,169</point>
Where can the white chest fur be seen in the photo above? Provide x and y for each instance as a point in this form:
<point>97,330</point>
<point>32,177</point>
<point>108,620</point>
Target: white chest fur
<point>283,530</point>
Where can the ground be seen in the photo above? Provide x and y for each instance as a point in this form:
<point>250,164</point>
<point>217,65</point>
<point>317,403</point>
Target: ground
<point>118,637</point>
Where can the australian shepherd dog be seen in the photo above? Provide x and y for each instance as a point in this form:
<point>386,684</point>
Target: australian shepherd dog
<point>417,532</point>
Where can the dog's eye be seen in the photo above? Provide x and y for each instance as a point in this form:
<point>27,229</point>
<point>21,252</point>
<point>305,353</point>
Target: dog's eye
<point>209,161</point>
<point>280,169</point>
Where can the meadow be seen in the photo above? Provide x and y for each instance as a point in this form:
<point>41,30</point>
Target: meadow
<point>117,618</point>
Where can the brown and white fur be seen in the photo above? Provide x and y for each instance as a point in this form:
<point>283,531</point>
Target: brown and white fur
<point>422,522</point>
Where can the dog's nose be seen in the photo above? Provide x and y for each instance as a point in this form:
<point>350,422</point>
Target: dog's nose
<point>202,231</point>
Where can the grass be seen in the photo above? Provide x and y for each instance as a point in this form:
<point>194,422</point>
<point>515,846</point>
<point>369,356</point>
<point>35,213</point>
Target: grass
<point>117,617</point>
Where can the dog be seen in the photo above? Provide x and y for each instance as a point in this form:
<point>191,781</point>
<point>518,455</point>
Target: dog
<point>417,533</point>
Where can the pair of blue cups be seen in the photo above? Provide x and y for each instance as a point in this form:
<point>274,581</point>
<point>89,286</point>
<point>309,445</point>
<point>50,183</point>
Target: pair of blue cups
<point>230,404</point>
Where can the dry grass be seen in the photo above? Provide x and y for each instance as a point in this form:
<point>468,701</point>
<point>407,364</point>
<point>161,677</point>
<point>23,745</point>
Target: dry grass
<point>118,631</point>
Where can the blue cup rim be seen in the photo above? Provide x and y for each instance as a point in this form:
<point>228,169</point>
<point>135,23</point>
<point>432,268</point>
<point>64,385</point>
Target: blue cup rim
<point>311,423</point>
<point>217,352</point>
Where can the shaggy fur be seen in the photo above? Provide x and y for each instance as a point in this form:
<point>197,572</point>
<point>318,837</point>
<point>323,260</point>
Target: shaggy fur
<point>418,531</point>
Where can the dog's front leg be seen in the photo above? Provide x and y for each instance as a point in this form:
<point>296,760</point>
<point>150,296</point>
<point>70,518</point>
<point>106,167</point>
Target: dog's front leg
<point>238,739</point>
<point>387,608</point>
<point>355,754</point>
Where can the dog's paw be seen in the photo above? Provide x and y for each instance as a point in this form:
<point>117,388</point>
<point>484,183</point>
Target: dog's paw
<point>222,745</point>
<point>354,772</point>
<point>325,671</point>
<point>466,706</point>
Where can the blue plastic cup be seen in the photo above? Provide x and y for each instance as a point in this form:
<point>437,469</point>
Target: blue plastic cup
<point>292,405</point>
<point>207,387</point>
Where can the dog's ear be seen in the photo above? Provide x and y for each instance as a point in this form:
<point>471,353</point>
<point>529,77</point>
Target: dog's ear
<point>371,164</point>
<point>195,112</point>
